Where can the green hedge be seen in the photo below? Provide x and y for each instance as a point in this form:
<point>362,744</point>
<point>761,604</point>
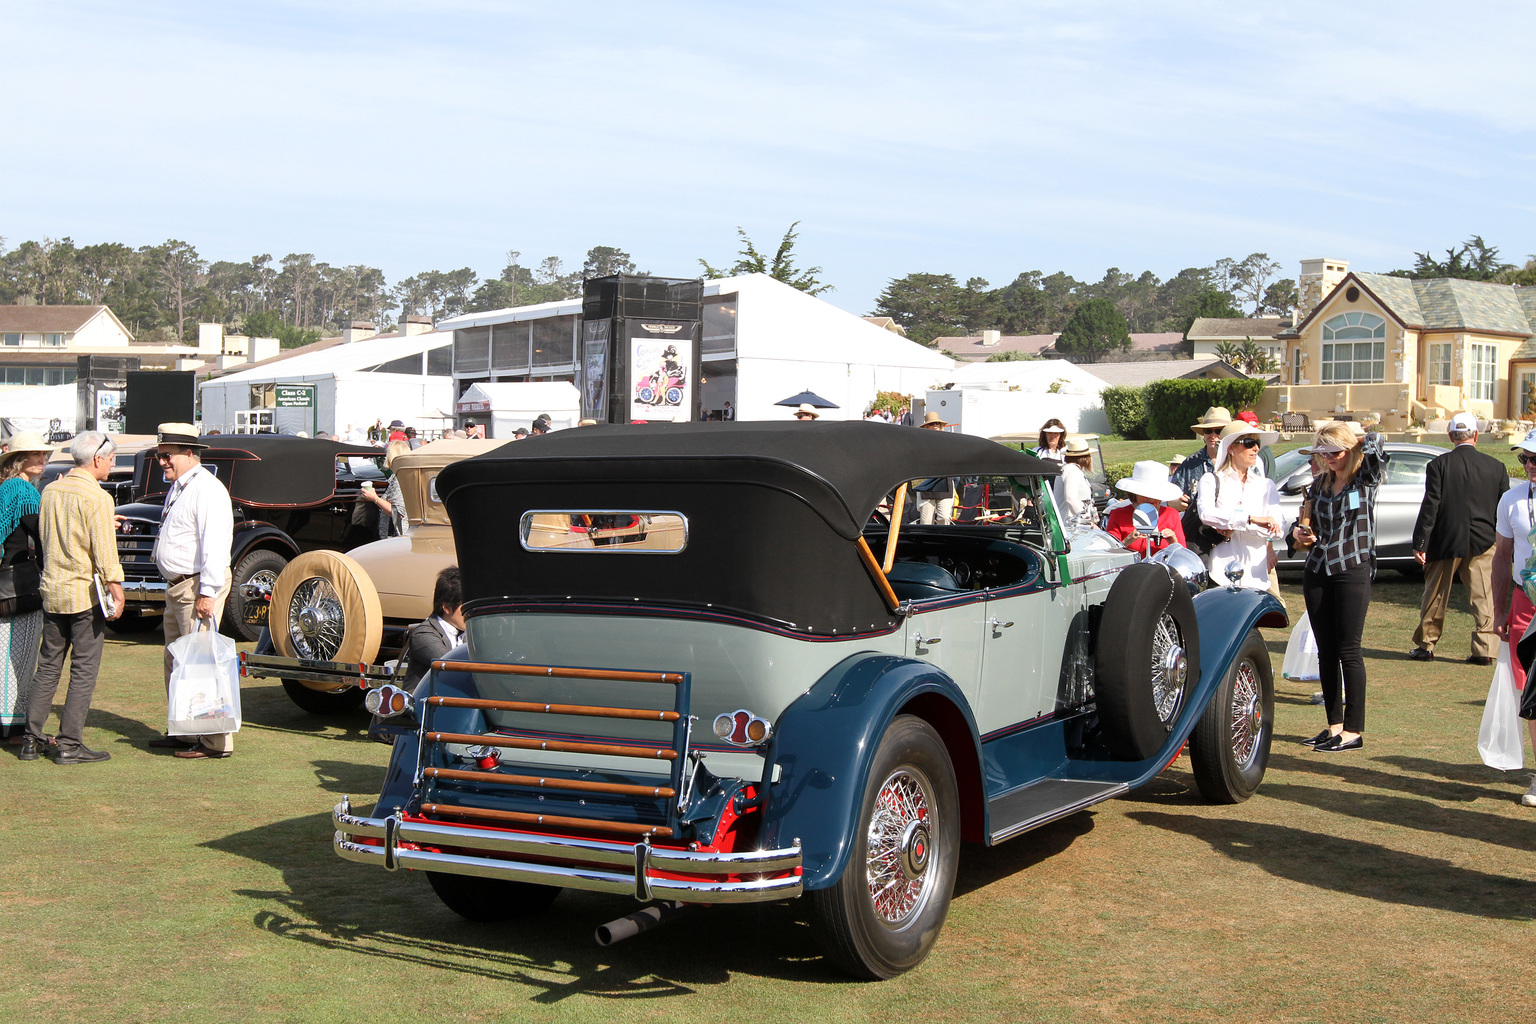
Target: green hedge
<point>1114,472</point>
<point>1172,405</point>
<point>1126,408</point>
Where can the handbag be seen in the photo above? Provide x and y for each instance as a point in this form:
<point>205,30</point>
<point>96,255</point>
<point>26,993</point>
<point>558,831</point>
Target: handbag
<point>1199,536</point>
<point>205,684</point>
<point>21,588</point>
<point>1498,739</point>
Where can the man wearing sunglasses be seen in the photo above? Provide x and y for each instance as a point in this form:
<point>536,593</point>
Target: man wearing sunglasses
<point>192,553</point>
<point>1454,535</point>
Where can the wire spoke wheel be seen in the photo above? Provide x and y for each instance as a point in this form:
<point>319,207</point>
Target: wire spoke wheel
<point>1229,749</point>
<point>1169,670</point>
<point>316,622</point>
<point>884,912</point>
<point>898,847</point>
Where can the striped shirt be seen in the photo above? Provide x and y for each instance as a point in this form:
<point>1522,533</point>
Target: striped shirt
<point>1345,523</point>
<point>78,541</point>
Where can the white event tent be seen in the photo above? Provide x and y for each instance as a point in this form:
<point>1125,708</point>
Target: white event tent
<point>988,399</point>
<point>356,384</point>
<point>31,408</point>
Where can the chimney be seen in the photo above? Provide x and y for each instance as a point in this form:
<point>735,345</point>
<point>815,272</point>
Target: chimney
<point>990,338</point>
<point>1318,278</point>
<point>414,325</point>
<point>357,330</point>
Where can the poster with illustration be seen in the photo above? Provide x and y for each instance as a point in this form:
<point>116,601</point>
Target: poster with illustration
<point>660,358</point>
<point>109,411</point>
<point>594,370</point>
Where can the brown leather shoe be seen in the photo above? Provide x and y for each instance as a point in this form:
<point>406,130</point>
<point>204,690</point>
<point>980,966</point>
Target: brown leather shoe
<point>1479,659</point>
<point>201,752</point>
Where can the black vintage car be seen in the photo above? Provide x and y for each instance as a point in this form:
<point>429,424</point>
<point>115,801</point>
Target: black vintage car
<point>290,495</point>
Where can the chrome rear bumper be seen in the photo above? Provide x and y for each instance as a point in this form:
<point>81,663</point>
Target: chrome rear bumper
<point>144,591</point>
<point>637,869</point>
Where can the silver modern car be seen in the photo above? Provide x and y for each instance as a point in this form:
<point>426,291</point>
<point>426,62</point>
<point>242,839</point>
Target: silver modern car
<point>1397,501</point>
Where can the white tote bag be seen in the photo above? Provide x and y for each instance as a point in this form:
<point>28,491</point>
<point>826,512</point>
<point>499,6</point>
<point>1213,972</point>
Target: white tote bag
<point>1301,652</point>
<point>1498,740</point>
<point>205,685</point>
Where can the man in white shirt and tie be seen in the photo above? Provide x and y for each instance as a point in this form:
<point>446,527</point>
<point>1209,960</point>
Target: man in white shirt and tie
<point>192,553</point>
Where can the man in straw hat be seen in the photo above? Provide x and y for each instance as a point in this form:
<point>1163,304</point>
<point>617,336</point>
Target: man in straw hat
<point>936,495</point>
<point>1455,533</point>
<point>192,553</point>
<point>79,545</point>
<point>806,413</point>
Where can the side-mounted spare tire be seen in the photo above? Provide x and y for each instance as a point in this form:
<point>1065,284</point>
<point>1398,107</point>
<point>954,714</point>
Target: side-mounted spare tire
<point>325,608</point>
<point>1147,658</point>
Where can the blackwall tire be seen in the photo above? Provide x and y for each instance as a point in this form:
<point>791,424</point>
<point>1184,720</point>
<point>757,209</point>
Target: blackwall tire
<point>883,915</point>
<point>261,567</point>
<point>324,702</point>
<point>325,608</point>
<point>490,899</point>
<point>1229,748</point>
<point>1146,660</point>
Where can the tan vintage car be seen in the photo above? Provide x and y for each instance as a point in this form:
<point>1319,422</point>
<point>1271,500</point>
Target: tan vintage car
<point>335,617</point>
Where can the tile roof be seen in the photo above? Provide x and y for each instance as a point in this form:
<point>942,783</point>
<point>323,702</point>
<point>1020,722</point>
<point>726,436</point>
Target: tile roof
<point>1452,304</point>
<point>972,350</point>
<point>1527,299</point>
<point>1144,372</point>
<point>1238,327</point>
<point>46,319</point>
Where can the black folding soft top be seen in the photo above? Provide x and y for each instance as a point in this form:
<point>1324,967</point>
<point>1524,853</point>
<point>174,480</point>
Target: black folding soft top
<point>843,470</point>
<point>270,470</point>
<point>772,512</point>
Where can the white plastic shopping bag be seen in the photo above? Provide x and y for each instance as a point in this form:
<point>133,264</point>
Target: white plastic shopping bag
<point>1498,741</point>
<point>1301,652</point>
<point>205,685</point>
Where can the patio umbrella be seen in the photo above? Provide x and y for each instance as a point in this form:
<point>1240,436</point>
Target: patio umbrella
<point>810,398</point>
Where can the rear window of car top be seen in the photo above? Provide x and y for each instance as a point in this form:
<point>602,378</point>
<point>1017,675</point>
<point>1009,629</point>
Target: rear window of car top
<point>612,531</point>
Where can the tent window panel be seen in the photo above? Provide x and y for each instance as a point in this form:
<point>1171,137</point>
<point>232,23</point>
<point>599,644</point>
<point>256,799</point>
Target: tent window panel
<point>720,328</point>
<point>554,341</point>
<point>405,364</point>
<point>509,349</point>
<point>440,361</point>
<point>471,349</point>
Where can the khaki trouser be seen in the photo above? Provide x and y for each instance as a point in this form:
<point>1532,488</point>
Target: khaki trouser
<point>1477,574</point>
<point>180,604</point>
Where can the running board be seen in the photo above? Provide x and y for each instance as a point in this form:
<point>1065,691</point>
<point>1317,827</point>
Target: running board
<point>1042,802</point>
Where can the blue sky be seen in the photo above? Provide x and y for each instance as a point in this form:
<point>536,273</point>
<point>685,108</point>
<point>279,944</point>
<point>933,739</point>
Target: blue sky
<point>977,138</point>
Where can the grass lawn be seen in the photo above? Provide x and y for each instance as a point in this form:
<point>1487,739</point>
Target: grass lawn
<point>1393,884</point>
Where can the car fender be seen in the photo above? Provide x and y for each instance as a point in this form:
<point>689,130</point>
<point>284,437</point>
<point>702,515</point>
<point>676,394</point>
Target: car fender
<point>400,777</point>
<point>825,741</point>
<point>251,535</point>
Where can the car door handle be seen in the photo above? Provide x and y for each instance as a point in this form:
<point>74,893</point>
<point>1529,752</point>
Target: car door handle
<point>995,624</point>
<point>917,640</point>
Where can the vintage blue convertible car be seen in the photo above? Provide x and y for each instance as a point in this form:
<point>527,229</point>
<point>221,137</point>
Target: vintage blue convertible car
<point>767,686</point>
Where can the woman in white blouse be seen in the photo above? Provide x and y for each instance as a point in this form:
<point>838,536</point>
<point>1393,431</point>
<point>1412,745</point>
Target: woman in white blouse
<point>1244,505</point>
<point>1074,495</point>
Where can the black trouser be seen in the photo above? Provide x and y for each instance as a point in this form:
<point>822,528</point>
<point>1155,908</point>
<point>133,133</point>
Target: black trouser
<point>84,632</point>
<point>1336,606</point>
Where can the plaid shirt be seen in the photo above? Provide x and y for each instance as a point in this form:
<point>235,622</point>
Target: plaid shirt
<point>1346,536</point>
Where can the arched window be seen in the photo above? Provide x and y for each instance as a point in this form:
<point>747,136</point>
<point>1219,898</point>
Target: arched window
<point>1351,353</point>
<point>1354,325</point>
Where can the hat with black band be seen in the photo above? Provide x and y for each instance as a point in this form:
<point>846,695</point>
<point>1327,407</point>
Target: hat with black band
<point>183,434</point>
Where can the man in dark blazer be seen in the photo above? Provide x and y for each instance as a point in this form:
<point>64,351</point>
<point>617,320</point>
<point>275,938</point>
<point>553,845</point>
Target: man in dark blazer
<point>440,633</point>
<point>1455,534</point>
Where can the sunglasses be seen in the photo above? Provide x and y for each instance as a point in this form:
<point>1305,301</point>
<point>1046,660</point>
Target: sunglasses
<point>166,456</point>
<point>1246,442</point>
<point>1212,432</point>
<point>1526,460</point>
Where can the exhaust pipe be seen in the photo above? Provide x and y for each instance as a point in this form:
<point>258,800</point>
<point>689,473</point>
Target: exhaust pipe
<point>643,920</point>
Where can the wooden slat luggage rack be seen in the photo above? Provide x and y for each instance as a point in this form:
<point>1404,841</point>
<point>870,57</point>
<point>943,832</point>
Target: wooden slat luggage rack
<point>432,771</point>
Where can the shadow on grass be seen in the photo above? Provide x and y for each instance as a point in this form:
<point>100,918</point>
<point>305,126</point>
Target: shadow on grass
<point>1445,770</point>
<point>1356,868</point>
<point>267,706</point>
<point>364,911</point>
<point>980,866</point>
<point>1374,778</point>
<point>1405,812</point>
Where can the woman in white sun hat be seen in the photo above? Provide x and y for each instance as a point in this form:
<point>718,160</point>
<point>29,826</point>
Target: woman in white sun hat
<point>1148,482</point>
<point>1242,504</point>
